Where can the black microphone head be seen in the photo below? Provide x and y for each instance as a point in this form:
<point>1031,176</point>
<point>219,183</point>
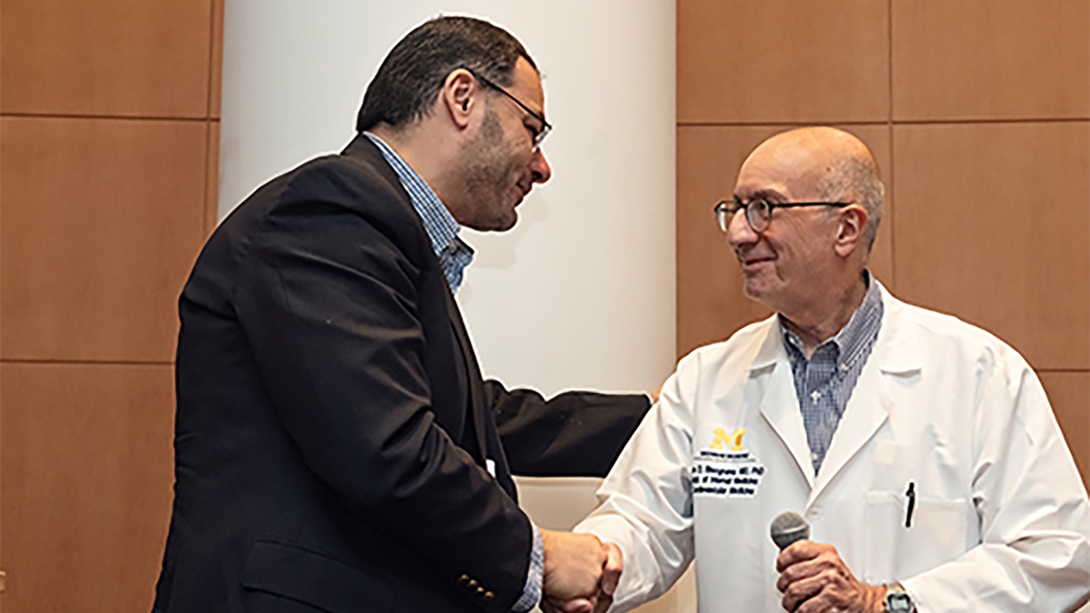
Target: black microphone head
<point>787,528</point>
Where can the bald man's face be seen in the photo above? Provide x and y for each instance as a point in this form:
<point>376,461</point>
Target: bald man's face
<point>785,266</point>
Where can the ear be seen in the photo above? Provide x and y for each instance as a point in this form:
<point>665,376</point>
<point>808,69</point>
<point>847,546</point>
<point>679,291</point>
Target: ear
<point>460,96</point>
<point>853,223</point>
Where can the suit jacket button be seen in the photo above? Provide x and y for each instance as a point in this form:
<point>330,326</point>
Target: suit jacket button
<point>480,590</point>
<point>464,578</point>
<point>489,596</point>
<point>472,583</point>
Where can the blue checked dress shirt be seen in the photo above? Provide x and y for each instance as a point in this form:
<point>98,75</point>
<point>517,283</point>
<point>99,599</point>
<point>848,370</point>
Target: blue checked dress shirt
<point>824,383</point>
<point>454,255</point>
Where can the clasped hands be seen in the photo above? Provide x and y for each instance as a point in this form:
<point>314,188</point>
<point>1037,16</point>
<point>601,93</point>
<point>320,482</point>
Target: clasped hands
<point>580,574</point>
<point>813,579</point>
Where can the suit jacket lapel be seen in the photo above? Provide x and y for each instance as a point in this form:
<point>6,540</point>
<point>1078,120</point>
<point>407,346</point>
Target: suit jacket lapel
<point>362,147</point>
<point>468,370</point>
<point>473,375</point>
<point>488,441</point>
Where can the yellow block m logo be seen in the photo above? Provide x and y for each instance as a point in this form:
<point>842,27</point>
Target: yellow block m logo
<point>722,440</point>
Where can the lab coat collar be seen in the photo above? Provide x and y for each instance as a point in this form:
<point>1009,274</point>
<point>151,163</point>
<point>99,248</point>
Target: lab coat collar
<point>770,371</point>
<point>897,350</point>
<point>772,350</point>
<point>895,354</point>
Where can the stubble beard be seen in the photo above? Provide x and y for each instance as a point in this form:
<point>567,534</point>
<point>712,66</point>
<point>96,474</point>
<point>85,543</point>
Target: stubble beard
<point>489,176</point>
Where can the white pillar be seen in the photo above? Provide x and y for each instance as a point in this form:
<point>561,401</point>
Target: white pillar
<point>581,293</point>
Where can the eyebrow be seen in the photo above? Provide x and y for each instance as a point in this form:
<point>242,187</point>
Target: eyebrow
<point>538,115</point>
<point>763,194</point>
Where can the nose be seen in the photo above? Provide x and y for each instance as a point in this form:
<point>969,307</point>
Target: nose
<point>539,167</point>
<point>739,233</point>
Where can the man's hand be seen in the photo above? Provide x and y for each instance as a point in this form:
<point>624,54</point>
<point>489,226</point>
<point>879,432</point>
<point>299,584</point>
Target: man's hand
<point>578,605</point>
<point>814,579</point>
<point>580,574</point>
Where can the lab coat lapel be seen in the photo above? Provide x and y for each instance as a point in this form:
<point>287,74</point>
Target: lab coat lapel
<point>874,398</point>
<point>868,407</point>
<point>770,373</point>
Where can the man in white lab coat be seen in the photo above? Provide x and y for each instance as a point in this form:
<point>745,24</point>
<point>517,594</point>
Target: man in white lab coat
<point>921,450</point>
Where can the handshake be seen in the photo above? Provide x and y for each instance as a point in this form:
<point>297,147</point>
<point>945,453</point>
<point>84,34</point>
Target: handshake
<point>581,573</point>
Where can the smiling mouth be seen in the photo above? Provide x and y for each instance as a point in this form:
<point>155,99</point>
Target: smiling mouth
<point>753,262</point>
<point>523,192</point>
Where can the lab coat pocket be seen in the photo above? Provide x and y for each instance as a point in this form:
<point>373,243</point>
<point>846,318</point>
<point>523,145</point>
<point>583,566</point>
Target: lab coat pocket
<point>894,552</point>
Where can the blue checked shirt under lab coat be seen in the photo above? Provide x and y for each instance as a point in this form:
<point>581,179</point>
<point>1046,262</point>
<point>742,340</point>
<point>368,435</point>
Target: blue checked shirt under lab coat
<point>454,255</point>
<point>824,383</point>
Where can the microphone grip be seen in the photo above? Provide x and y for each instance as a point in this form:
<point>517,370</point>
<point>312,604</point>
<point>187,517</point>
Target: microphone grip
<point>787,528</point>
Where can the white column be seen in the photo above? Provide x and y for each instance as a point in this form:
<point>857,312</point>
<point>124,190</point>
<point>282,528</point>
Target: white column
<point>581,293</point>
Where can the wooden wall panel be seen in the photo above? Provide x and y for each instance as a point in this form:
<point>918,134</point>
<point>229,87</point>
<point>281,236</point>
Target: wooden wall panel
<point>109,57</point>
<point>991,59</point>
<point>993,225</point>
<point>711,303</point>
<point>86,464</point>
<point>101,222</point>
<point>108,141</point>
<point>782,61</point>
<point>212,173</point>
<point>216,77</point>
<point>1069,393</point>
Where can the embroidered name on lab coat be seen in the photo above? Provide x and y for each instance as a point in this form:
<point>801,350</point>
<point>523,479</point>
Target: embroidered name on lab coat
<point>726,469</point>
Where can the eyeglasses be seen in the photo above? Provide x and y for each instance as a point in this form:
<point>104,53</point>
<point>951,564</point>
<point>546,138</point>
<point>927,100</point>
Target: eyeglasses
<point>759,211</point>
<point>539,134</point>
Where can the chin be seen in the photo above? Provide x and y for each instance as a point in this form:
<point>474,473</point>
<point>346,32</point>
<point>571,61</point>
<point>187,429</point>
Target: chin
<point>507,218</point>
<point>495,224</point>
<point>755,290</point>
<point>507,223</point>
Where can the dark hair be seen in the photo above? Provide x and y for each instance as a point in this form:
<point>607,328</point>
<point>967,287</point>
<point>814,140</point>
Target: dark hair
<point>411,76</point>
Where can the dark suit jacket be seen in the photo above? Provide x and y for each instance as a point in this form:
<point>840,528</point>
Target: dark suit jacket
<point>332,426</point>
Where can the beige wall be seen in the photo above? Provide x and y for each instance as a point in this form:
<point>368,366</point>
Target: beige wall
<point>109,117</point>
<point>979,114</point>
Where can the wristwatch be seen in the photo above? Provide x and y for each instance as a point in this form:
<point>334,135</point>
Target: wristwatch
<point>898,600</point>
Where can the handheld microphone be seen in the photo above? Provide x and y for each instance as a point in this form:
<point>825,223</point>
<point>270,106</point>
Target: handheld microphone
<point>787,528</point>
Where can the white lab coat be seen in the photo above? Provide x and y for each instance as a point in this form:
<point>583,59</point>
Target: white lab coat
<point>1001,519</point>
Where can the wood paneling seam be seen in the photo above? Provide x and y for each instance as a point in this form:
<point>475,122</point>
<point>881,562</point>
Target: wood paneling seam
<point>88,362</point>
<point>119,117</point>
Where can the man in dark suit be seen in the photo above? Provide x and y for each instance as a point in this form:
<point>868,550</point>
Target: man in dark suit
<point>336,448</point>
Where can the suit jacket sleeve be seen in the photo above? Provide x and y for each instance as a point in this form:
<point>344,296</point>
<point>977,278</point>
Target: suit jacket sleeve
<point>571,434</point>
<point>328,300</point>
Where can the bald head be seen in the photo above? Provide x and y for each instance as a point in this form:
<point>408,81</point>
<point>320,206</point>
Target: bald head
<point>826,163</point>
<point>812,201</point>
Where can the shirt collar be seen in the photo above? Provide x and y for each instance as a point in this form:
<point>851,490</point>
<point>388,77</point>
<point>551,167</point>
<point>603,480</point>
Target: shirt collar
<point>853,337</point>
<point>439,224</point>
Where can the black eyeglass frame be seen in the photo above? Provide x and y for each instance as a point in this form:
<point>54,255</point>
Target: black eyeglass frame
<point>727,209</point>
<point>546,127</point>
